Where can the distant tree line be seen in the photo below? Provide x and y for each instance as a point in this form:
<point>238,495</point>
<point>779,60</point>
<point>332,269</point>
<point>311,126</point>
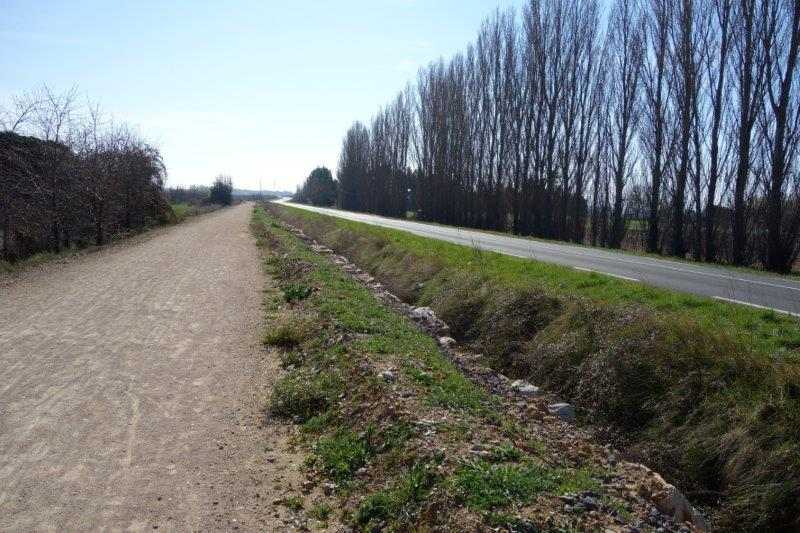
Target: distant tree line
<point>67,178</point>
<point>666,125</point>
<point>318,189</point>
<point>193,195</point>
<point>220,193</point>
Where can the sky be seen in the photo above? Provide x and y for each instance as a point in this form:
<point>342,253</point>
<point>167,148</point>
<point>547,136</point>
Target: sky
<point>261,90</point>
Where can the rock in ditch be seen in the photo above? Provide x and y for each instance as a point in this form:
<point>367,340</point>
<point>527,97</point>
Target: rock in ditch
<point>388,376</point>
<point>423,313</point>
<point>320,249</point>
<point>427,318</point>
<point>524,388</point>
<point>564,411</point>
<point>670,501</point>
<point>447,342</point>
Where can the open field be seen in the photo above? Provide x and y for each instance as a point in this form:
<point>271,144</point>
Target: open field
<point>705,390</point>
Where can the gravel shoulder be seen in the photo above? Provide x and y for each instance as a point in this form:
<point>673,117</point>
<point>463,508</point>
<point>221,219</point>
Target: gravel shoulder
<point>132,385</point>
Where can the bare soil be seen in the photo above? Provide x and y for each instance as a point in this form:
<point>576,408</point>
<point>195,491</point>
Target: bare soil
<point>132,383</point>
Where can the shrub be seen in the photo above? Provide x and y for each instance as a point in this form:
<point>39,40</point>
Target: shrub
<point>288,333</point>
<point>296,292</point>
<point>303,396</point>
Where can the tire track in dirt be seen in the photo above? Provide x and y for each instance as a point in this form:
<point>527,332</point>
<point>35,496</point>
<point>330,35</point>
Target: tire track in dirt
<point>131,382</point>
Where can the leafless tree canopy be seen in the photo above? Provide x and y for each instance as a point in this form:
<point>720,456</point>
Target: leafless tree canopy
<point>666,125</point>
<point>68,178</point>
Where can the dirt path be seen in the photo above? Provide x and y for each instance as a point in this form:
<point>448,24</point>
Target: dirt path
<point>130,387</point>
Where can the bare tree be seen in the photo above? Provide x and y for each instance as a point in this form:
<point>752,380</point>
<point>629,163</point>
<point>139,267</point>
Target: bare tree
<point>781,128</point>
<point>656,131</point>
<point>677,112</point>
<point>685,59</point>
<point>71,173</point>
<point>627,52</point>
<point>749,64</point>
<point>718,44</point>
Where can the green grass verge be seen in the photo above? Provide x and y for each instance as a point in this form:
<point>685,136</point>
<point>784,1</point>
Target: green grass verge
<point>354,421</point>
<point>763,331</point>
<point>181,211</point>
<point>710,392</point>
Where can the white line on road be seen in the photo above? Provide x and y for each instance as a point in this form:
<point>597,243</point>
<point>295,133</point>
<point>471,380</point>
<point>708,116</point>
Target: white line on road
<point>741,302</point>
<point>626,278</point>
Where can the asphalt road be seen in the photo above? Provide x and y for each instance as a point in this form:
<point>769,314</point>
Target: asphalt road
<point>779,293</point>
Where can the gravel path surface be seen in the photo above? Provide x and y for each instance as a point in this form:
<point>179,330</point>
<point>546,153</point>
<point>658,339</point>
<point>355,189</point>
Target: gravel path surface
<point>131,382</point>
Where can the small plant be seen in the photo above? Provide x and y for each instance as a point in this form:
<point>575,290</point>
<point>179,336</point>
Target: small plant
<point>409,491</point>
<point>320,511</point>
<point>296,292</point>
<point>291,358</point>
<point>293,502</point>
<point>505,453</point>
<point>341,454</point>
<point>303,396</point>
<point>288,334</point>
<point>319,423</point>
<point>484,486</point>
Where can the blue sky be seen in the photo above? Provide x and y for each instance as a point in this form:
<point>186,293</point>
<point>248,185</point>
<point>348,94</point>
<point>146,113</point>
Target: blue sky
<point>257,89</point>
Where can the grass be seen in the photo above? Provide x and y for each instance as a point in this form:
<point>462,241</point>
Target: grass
<point>302,395</point>
<point>408,491</point>
<point>762,330</point>
<point>320,511</point>
<point>341,454</point>
<point>181,211</point>
<point>35,260</point>
<point>373,438</point>
<point>632,225</point>
<point>486,485</point>
<point>709,392</point>
<point>288,333</point>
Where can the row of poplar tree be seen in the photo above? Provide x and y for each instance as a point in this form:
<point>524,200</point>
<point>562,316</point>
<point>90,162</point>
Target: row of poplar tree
<point>666,125</point>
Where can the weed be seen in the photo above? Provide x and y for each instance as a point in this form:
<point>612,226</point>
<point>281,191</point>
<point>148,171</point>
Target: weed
<point>288,334</point>
<point>293,502</point>
<point>341,454</point>
<point>484,486</point>
<point>304,396</point>
<point>291,358</point>
<point>320,511</point>
<point>409,491</point>
<point>510,523</point>
<point>319,423</point>
<point>505,453</point>
<point>295,292</point>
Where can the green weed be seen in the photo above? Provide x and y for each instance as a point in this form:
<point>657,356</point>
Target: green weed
<point>303,395</point>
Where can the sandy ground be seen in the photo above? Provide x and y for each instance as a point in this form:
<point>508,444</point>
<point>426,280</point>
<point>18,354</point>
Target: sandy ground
<point>131,387</point>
